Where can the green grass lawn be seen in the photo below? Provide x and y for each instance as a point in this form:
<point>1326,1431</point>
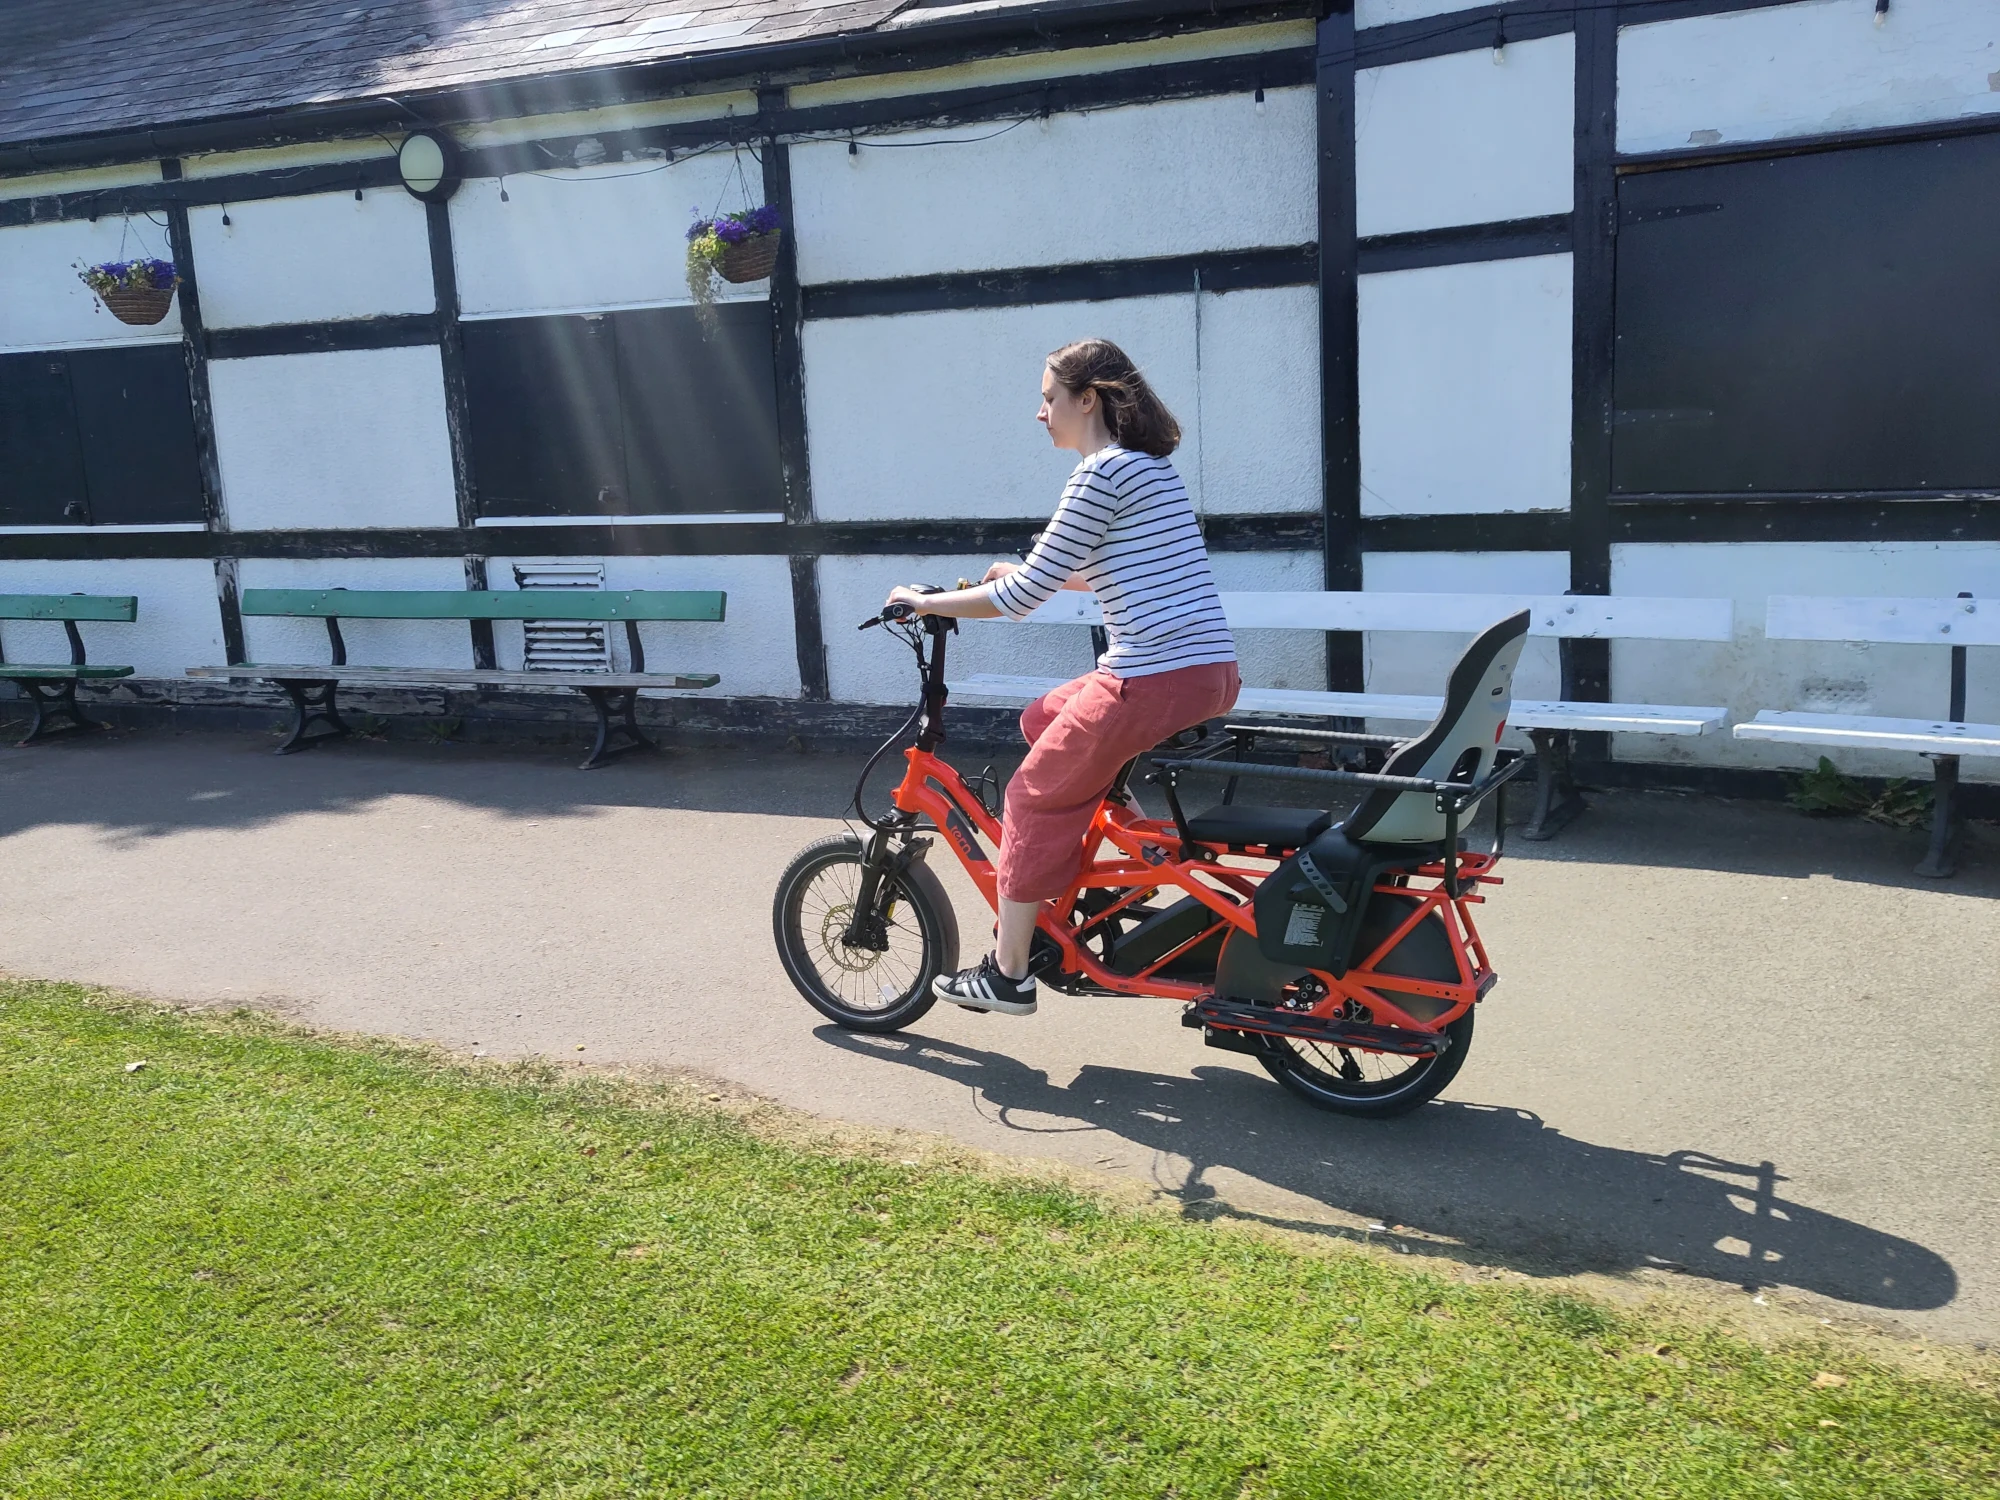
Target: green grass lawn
<point>279,1267</point>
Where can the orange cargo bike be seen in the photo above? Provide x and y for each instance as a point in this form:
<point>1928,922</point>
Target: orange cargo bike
<point>1343,956</point>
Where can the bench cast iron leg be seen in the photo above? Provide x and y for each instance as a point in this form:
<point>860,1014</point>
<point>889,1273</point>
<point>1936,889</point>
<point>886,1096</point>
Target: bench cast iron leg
<point>311,700</point>
<point>621,703</point>
<point>1557,800</point>
<point>53,701</point>
<point>1946,824</point>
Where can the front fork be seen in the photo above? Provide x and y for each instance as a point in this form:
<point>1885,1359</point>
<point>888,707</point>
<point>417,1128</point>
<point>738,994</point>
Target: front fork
<point>890,853</point>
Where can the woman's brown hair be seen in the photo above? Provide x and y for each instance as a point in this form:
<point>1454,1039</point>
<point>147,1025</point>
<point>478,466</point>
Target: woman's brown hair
<point>1138,418</point>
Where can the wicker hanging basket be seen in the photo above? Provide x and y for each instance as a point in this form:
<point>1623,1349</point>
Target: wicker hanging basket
<point>140,305</point>
<point>751,259</point>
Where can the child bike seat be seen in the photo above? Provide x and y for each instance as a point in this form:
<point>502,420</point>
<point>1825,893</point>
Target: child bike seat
<point>1243,824</point>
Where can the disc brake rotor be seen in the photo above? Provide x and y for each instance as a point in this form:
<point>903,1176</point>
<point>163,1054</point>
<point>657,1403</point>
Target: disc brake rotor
<point>833,941</point>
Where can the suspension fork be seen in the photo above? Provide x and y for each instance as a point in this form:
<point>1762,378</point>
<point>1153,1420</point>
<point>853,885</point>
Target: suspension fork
<point>890,853</point>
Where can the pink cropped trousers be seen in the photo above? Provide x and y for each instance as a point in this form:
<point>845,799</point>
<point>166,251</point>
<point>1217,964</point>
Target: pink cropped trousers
<point>1078,736</point>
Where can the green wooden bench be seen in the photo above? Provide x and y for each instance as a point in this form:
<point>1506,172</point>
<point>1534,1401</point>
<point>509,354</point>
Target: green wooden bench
<point>52,687</point>
<point>614,695</point>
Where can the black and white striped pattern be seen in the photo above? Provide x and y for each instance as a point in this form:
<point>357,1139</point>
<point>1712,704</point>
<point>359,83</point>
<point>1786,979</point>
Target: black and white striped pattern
<point>1127,528</point>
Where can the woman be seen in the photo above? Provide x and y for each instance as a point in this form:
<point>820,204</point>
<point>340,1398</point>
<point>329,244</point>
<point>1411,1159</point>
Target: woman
<point>1126,531</point>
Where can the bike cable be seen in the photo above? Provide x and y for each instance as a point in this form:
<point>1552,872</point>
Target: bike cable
<point>868,770</point>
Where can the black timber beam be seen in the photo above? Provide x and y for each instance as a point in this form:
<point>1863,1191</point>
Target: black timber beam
<point>396,331</point>
<point>1095,281</point>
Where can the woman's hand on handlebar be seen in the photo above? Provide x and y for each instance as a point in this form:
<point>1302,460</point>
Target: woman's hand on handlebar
<point>970,603</point>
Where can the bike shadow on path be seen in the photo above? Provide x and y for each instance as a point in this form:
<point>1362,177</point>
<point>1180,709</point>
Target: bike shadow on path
<point>1477,1183</point>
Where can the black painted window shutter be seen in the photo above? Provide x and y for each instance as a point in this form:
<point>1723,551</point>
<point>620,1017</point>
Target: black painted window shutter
<point>628,413</point>
<point>1816,324</point>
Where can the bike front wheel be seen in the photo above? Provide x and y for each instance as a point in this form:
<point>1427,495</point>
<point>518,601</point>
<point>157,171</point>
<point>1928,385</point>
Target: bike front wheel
<point>863,987</point>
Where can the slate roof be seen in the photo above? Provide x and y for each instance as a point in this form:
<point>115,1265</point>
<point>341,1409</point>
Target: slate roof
<point>82,67</point>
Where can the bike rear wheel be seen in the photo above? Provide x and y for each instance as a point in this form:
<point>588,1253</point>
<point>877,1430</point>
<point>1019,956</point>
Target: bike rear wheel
<point>1348,1080</point>
<point>862,988</point>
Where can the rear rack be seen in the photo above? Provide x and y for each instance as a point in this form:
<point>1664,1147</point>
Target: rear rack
<point>1454,798</point>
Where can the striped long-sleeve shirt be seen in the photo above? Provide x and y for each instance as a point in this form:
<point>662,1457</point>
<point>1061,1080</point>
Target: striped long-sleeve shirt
<point>1127,528</point>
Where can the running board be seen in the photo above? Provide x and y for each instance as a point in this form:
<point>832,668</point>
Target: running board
<point>1229,1024</point>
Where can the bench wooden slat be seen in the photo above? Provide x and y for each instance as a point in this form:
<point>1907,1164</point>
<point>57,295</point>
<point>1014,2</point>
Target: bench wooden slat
<point>490,604</point>
<point>121,609</point>
<point>1862,733</point>
<point>1571,616</point>
<point>1631,718</point>
<point>1917,622</point>
<point>19,671</point>
<point>457,676</point>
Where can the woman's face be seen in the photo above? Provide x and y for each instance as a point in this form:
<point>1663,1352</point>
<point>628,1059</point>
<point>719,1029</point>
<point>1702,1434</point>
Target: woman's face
<point>1067,414</point>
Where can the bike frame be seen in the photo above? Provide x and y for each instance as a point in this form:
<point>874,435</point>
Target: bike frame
<point>1134,857</point>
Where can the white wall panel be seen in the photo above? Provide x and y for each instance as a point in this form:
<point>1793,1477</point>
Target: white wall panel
<point>1387,12</point>
<point>1145,180</point>
<point>1258,444</point>
<point>44,306</point>
<point>284,158</point>
<point>179,624</point>
<point>1461,139</point>
<point>1805,69</point>
<point>82,180</point>
<point>589,237</point>
<point>933,414</point>
<point>349,439</point>
<point>754,648</point>
<point>1465,388</point>
<point>312,259</point>
<point>1077,62</point>
<point>374,643</point>
<point>1752,673</point>
<point>1419,662</point>
<point>874,668</point>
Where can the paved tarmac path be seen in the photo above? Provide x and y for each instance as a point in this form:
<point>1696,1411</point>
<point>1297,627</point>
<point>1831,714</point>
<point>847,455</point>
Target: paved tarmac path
<point>1727,1038</point>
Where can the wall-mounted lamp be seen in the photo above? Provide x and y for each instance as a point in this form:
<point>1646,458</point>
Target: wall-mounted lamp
<point>427,161</point>
<point>1881,11</point>
<point>1499,40</point>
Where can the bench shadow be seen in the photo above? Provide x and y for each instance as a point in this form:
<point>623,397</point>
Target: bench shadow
<point>152,782</point>
<point>1477,1183</point>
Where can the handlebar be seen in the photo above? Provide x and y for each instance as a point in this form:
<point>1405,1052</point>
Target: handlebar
<point>896,614</point>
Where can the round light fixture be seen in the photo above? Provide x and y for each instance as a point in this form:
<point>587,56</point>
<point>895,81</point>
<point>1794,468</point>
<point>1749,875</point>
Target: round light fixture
<point>428,163</point>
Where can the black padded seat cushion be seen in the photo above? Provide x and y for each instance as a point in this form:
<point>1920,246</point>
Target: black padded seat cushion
<point>1244,823</point>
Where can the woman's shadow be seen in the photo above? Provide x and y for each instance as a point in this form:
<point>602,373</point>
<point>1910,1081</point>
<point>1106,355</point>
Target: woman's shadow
<point>1495,1184</point>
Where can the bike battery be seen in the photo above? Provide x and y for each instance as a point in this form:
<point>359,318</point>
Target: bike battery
<point>1162,932</point>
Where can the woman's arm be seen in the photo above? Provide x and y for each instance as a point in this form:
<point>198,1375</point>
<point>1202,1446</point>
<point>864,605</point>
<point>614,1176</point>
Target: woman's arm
<point>1075,583</point>
<point>1089,505</point>
<point>1079,524</point>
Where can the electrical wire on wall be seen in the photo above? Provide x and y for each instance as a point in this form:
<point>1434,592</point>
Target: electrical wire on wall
<point>1200,447</point>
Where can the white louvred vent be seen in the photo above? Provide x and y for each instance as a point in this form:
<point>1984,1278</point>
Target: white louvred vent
<point>558,646</point>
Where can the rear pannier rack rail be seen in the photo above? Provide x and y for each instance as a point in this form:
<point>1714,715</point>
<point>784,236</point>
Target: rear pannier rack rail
<point>1454,798</point>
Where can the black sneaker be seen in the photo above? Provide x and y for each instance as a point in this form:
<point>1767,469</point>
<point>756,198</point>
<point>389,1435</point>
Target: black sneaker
<point>986,988</point>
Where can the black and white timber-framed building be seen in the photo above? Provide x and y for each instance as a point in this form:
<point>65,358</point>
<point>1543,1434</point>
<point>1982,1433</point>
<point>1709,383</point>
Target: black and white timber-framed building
<point>1428,283</point>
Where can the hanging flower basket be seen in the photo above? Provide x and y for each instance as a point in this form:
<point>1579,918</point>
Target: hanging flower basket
<point>736,247</point>
<point>751,259</point>
<point>139,292</point>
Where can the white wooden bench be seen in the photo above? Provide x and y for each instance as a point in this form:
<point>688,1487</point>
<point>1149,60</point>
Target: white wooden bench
<point>1549,724</point>
<point>1957,623</point>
